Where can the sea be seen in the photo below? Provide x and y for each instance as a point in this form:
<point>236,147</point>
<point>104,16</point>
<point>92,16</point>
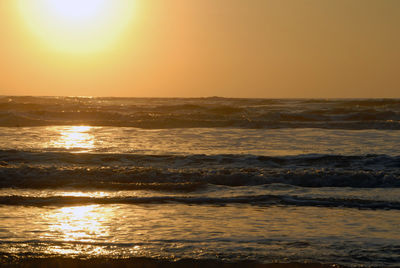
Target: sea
<point>223,180</point>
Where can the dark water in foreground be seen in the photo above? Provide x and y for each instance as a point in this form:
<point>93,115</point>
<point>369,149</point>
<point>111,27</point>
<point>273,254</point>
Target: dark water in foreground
<point>209,181</point>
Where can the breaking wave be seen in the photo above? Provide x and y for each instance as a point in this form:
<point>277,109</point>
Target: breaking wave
<point>43,170</point>
<point>252,200</point>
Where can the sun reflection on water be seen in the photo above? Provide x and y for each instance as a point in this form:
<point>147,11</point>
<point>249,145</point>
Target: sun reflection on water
<point>85,194</point>
<point>74,137</point>
<point>80,230</point>
<point>80,223</point>
<point>85,231</point>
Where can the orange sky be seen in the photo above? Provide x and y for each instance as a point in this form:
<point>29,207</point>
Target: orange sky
<point>230,48</point>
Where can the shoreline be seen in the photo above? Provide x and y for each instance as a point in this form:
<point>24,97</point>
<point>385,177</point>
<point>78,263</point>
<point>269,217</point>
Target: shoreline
<point>149,263</point>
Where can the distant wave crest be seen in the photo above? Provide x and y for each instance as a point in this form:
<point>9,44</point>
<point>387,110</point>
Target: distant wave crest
<point>204,112</point>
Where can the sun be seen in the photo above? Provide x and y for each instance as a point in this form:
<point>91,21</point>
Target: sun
<point>77,25</point>
<point>71,12</point>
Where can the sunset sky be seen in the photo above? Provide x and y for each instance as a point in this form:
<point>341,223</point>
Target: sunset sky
<point>199,48</point>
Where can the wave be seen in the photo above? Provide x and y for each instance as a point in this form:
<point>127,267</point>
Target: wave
<point>204,112</point>
<point>36,170</point>
<point>110,178</point>
<point>261,200</point>
<point>370,161</point>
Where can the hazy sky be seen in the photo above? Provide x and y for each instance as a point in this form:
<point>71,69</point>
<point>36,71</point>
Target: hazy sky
<point>190,48</point>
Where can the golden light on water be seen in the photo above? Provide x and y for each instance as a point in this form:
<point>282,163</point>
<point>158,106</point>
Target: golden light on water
<point>78,26</point>
<point>80,223</point>
<point>74,137</point>
<point>80,226</point>
<point>86,194</point>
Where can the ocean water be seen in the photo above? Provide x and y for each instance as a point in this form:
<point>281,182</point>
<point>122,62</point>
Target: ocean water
<point>264,180</point>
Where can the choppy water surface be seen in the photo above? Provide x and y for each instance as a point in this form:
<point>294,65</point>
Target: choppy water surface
<point>203,112</point>
<point>227,179</point>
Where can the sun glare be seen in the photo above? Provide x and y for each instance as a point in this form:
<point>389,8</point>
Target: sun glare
<point>81,223</point>
<point>77,11</point>
<point>77,25</point>
<point>78,138</point>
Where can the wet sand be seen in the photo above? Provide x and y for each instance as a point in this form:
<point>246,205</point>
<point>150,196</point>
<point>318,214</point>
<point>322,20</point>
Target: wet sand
<point>57,262</point>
